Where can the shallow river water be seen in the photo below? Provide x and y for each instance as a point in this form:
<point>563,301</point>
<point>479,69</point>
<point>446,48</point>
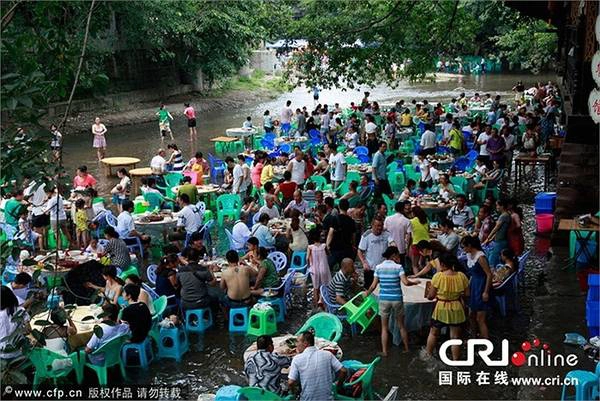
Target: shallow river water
<point>216,358</point>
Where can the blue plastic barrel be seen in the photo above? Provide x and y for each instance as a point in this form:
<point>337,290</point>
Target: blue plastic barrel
<point>545,202</point>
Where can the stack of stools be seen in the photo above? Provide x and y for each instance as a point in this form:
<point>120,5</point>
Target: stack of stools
<point>262,321</point>
<point>545,203</point>
<point>173,343</point>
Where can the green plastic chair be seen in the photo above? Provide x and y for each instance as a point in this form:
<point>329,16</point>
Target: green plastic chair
<point>257,394</point>
<point>352,160</point>
<point>366,380</point>
<point>354,201</point>
<point>396,180</point>
<point>160,305</point>
<point>131,270</point>
<point>479,194</point>
<point>228,205</point>
<point>353,176</point>
<point>171,180</point>
<point>392,167</point>
<point>43,359</point>
<point>112,357</point>
<point>459,182</point>
<point>361,310</point>
<point>52,240</point>
<point>319,181</point>
<point>325,325</point>
<point>155,201</point>
<point>475,210</point>
<point>390,203</point>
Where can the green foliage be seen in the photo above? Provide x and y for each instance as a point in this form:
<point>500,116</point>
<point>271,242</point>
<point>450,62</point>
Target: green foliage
<point>530,47</point>
<point>368,42</point>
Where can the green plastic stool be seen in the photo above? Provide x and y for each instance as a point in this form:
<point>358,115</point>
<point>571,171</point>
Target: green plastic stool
<point>140,205</point>
<point>52,240</point>
<point>131,270</point>
<point>262,321</point>
<point>361,310</point>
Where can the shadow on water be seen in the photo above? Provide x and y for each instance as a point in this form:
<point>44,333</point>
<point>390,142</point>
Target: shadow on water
<point>216,358</point>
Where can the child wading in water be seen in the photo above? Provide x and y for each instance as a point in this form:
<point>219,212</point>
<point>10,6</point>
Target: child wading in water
<point>319,268</point>
<point>81,224</point>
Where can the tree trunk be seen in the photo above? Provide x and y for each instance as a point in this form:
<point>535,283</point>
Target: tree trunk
<point>81,57</point>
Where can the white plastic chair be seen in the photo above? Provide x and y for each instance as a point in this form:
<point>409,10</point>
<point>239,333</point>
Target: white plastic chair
<point>151,273</point>
<point>279,259</point>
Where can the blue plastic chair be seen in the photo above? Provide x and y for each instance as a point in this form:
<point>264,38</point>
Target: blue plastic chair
<point>298,262</point>
<point>285,147</point>
<point>267,144</point>
<point>361,150</point>
<point>173,343</point>
<point>522,262</point>
<point>461,163</point>
<point>586,383</point>
<point>231,242</point>
<point>217,168</point>
<point>238,320</point>
<point>334,308</point>
<point>278,303</point>
<point>134,244</point>
<point>228,205</point>
<point>198,320</point>
<point>143,350</point>
<point>364,158</point>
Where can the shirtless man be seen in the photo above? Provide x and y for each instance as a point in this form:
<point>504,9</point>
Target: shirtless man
<point>235,281</point>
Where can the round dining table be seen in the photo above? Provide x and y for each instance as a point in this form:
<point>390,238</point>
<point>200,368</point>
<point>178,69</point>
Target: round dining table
<point>110,162</point>
<point>284,345</point>
<point>84,318</point>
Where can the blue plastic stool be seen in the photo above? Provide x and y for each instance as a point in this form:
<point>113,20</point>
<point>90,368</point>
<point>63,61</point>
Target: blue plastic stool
<point>198,320</point>
<point>299,261</point>
<point>172,343</point>
<point>238,320</point>
<point>227,393</point>
<point>143,350</point>
<point>586,383</point>
<point>278,305</point>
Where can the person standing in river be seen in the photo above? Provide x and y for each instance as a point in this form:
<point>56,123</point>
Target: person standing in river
<point>99,131</point>
<point>164,124</point>
<point>190,114</point>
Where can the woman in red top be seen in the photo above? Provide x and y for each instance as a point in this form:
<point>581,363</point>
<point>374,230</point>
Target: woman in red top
<point>287,187</point>
<point>516,242</point>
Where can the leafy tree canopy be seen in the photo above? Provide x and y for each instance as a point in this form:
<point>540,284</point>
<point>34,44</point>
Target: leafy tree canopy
<point>354,43</point>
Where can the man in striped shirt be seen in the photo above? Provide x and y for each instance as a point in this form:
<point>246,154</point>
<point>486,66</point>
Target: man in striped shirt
<point>340,286</point>
<point>389,274</point>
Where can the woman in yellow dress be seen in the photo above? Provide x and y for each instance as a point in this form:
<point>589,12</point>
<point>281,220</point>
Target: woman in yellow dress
<point>449,287</point>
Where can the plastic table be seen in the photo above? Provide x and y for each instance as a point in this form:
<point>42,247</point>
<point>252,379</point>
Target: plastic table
<point>84,327</point>
<point>110,162</point>
<point>417,309</point>
<point>135,175</point>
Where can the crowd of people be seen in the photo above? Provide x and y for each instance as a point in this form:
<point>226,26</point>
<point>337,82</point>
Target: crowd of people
<point>360,232</point>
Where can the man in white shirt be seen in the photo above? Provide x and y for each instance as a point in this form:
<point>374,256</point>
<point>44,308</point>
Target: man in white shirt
<point>371,247</point>
<point>297,166</point>
<point>189,218</point>
<point>428,141</point>
<point>158,162</point>
<point>337,163</point>
<point>325,121</point>
<point>315,370</point>
<point>511,141</point>
<point>286,117</point>
<point>461,214</point>
<point>399,227</point>
<point>55,207</point>
<point>240,232</point>
<point>241,177</point>
<point>126,225</point>
<point>370,126</point>
<point>110,329</point>
<point>446,127</point>
<point>482,141</point>
<point>269,207</point>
